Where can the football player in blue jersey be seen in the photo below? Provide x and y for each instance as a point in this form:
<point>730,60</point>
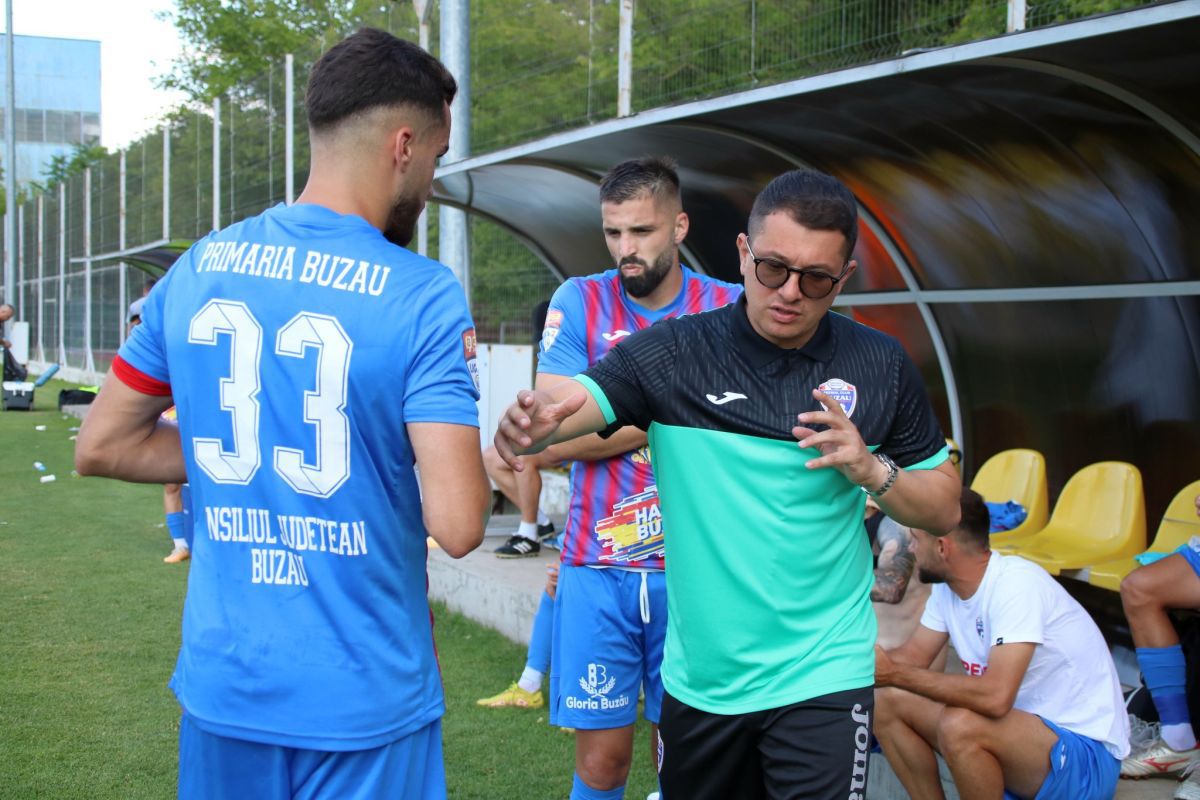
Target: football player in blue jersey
<point>323,376</point>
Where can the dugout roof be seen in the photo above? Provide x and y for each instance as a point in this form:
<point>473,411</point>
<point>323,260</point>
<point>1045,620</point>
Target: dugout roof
<point>984,140</point>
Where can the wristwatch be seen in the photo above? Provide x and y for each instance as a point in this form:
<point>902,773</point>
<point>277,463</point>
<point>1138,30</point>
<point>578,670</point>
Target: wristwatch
<point>893,472</point>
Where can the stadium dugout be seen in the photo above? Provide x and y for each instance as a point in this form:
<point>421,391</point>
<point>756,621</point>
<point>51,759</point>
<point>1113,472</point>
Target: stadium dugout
<point>1025,205</point>
<point>154,258</point>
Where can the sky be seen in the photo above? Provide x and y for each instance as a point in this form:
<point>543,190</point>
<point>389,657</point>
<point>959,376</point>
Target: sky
<point>135,48</point>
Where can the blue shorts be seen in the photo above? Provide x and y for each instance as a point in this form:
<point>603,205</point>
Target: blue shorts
<point>1191,552</point>
<point>1080,769</point>
<point>609,627</point>
<point>218,766</point>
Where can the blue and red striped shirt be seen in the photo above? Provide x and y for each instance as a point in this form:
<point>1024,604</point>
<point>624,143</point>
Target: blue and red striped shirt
<point>614,518</point>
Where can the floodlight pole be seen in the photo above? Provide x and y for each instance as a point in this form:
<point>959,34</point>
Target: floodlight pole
<point>625,59</point>
<point>19,266</point>
<point>1016,15</point>
<point>122,267</point>
<point>62,272</point>
<point>424,9</point>
<point>89,362</point>
<point>166,192</point>
<point>289,123</point>
<point>453,250</point>
<point>10,161</point>
<point>41,274</point>
<point>216,164</point>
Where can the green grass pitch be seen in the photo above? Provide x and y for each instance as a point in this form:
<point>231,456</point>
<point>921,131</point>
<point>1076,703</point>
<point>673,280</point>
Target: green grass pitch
<point>89,630</point>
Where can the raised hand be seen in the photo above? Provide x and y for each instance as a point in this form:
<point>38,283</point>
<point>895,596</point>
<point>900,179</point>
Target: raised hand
<point>841,445</point>
<point>528,423</point>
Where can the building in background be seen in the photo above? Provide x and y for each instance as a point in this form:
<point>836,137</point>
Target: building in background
<point>57,99</point>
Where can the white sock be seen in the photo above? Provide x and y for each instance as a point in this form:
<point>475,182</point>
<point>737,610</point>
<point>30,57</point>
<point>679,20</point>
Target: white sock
<point>1179,736</point>
<point>542,518</point>
<point>530,680</point>
<point>180,543</point>
<point>528,530</point>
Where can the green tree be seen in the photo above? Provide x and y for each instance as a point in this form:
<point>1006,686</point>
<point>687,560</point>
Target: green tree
<point>62,166</point>
<point>229,42</point>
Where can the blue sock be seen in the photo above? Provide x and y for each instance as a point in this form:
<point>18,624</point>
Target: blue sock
<point>185,494</point>
<point>1165,672</point>
<point>175,524</point>
<point>542,637</point>
<point>581,791</point>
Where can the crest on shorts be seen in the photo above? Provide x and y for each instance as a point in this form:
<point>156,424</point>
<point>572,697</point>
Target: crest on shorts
<point>846,394</point>
<point>597,683</point>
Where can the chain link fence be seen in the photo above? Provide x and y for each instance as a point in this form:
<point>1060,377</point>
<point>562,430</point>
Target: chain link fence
<point>507,282</point>
<point>683,51</point>
<point>540,68</point>
<point>537,67</point>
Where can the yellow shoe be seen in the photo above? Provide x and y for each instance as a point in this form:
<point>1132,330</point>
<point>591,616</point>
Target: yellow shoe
<point>178,556</point>
<point>513,697</point>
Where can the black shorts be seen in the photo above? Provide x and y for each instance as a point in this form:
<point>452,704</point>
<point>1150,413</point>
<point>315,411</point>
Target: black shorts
<point>813,749</point>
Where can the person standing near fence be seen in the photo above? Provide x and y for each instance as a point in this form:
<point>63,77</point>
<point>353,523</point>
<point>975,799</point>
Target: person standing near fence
<point>12,370</point>
<point>7,312</point>
<point>314,362</point>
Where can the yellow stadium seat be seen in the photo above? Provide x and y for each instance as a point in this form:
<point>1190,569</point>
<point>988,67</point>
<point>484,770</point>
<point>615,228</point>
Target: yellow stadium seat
<point>1179,524</point>
<point>1018,475</point>
<point>1100,516</point>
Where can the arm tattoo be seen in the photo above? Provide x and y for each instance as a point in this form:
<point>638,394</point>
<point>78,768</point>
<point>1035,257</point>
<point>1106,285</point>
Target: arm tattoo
<point>896,563</point>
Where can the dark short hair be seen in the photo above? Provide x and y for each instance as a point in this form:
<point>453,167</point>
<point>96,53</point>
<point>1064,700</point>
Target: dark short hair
<point>630,179</point>
<point>372,68</point>
<point>976,523</point>
<point>813,199</point>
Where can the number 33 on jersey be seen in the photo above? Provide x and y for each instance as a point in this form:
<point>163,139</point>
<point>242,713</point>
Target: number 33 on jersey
<point>324,408</point>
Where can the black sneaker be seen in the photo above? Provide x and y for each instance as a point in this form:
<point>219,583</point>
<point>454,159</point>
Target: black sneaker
<point>545,531</point>
<point>517,546</point>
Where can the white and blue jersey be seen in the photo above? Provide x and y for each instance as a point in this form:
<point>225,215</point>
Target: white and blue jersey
<point>298,344</point>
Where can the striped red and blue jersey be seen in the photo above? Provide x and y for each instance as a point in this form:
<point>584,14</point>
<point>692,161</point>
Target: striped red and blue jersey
<point>614,518</point>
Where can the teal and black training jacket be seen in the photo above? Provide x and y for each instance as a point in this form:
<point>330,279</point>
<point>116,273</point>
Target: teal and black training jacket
<point>768,567</point>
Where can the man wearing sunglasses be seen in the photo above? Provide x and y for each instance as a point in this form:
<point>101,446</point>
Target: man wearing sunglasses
<point>769,661</point>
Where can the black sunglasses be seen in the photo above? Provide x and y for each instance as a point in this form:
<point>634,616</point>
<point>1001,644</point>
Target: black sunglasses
<point>773,273</point>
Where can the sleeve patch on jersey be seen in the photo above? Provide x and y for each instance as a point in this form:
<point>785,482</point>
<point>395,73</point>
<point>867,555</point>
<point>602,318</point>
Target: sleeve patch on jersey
<point>470,355</point>
<point>554,321</point>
